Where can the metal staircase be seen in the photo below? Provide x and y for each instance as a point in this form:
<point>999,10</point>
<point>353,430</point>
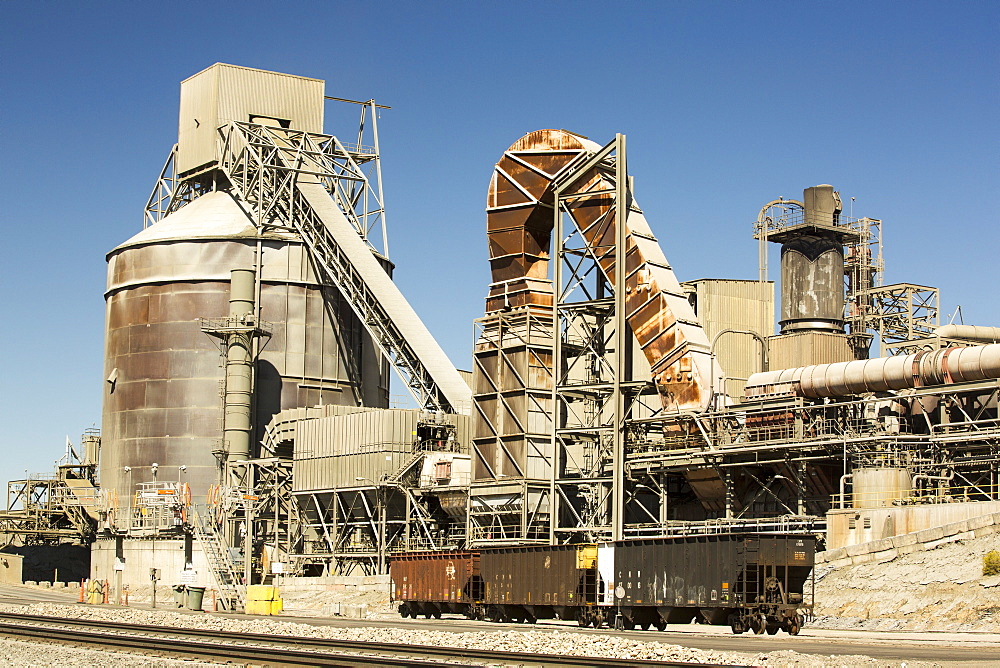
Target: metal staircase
<point>406,468</point>
<point>228,578</point>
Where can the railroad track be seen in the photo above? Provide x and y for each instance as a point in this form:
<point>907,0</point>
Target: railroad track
<point>269,650</point>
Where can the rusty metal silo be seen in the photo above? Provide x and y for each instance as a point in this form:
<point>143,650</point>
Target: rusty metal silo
<point>163,402</point>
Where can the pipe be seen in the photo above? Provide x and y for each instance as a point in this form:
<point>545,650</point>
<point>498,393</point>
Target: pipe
<point>239,365</point>
<point>924,476</point>
<point>968,333</point>
<point>843,487</point>
<point>881,374</point>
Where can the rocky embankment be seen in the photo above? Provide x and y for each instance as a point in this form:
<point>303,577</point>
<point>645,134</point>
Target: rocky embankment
<point>941,589</point>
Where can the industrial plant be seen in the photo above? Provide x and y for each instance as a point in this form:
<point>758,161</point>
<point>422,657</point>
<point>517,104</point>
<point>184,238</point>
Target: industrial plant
<point>253,331</point>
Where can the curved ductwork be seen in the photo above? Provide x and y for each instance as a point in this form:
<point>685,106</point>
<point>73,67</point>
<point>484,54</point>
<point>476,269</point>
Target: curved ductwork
<point>937,367</point>
<point>519,227</point>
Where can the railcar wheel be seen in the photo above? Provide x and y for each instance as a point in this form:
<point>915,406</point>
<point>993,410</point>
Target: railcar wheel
<point>757,623</point>
<point>660,624</point>
<point>772,629</point>
<point>404,610</point>
<point>581,618</point>
<point>794,625</point>
<point>437,614</point>
<point>736,624</point>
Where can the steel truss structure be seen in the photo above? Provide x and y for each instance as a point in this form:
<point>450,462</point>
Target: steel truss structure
<point>781,461</point>
<point>902,314</point>
<point>51,509</point>
<point>591,353</point>
<point>513,401</point>
<point>261,512</point>
<point>270,171</point>
<point>352,529</point>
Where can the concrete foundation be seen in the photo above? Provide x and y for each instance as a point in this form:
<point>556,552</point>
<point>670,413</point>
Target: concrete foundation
<point>126,563</point>
<point>854,526</point>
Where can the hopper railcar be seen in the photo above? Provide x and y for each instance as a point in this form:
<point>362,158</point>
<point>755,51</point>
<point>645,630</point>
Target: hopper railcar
<point>751,582</point>
<point>432,583</point>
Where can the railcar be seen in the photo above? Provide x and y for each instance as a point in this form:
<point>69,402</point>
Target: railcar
<point>747,581</point>
<point>432,583</point>
<point>751,582</point>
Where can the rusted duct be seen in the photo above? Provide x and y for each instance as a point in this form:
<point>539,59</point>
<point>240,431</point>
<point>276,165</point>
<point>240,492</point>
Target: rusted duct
<point>938,367</point>
<point>519,227</point>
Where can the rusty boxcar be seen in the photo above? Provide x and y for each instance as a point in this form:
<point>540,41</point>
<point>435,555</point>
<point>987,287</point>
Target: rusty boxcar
<point>432,583</point>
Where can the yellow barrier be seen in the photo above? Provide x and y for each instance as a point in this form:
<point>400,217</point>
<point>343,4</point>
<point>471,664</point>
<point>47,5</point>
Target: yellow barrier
<point>264,600</point>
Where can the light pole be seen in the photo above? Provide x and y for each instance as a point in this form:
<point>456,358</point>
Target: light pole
<point>380,499</point>
<point>131,496</point>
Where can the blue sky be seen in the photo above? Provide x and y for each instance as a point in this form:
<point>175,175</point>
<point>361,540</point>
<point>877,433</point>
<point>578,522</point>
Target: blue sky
<point>726,105</point>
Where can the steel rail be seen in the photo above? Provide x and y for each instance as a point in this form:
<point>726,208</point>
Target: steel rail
<point>273,650</point>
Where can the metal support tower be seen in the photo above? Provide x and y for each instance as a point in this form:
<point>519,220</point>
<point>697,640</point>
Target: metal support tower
<point>510,495</point>
<point>592,355</point>
<point>903,314</point>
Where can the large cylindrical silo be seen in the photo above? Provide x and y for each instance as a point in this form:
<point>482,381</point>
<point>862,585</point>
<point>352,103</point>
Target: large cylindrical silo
<point>163,401</point>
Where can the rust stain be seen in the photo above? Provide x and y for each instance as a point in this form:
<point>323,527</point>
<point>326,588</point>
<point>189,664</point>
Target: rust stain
<point>519,228</point>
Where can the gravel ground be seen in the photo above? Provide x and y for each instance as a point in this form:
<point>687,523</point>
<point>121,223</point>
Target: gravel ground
<point>547,642</point>
<point>25,653</point>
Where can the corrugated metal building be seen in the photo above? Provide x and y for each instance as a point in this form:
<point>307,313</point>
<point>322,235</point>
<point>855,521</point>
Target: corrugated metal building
<point>727,308</point>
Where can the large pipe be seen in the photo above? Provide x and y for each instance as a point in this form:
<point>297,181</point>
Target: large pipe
<point>239,366</point>
<point>938,367</point>
<point>969,333</point>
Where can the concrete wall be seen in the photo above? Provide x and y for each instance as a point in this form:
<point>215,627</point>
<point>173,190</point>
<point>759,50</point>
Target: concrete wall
<point>854,526</point>
<point>140,555</point>
<point>10,568</point>
<point>341,583</point>
<point>887,549</point>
